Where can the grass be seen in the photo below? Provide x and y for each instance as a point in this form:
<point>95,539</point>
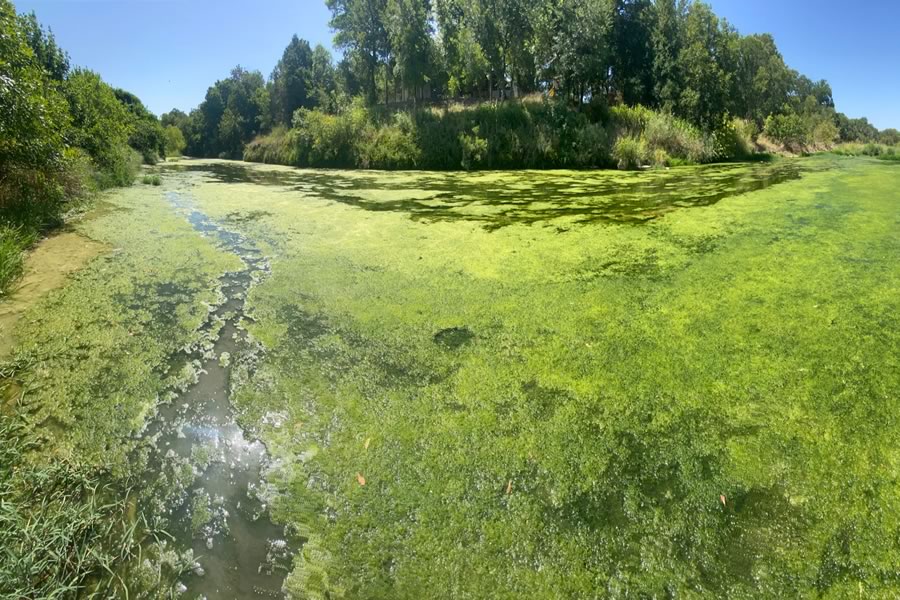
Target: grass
<point>63,528</point>
<point>151,180</point>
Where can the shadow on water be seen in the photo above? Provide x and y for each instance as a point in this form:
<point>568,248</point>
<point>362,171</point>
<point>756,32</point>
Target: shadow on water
<point>498,199</point>
<point>220,515</point>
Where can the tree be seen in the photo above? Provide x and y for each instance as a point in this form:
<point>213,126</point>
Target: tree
<point>51,58</point>
<point>632,51</point>
<point>100,123</point>
<point>291,81</point>
<point>667,42</point>
<point>175,143</point>
<point>409,31</point>
<point>33,116</point>
<point>360,32</point>
<point>705,83</point>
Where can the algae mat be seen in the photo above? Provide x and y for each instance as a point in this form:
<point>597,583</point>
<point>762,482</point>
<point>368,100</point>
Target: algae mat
<point>565,384</point>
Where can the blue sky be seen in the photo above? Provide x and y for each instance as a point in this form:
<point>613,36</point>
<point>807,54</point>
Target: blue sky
<point>169,51</point>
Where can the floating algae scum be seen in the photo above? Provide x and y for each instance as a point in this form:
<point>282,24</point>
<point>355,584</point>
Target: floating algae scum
<point>518,384</point>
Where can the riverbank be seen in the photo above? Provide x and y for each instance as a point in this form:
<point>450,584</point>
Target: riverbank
<point>532,133</point>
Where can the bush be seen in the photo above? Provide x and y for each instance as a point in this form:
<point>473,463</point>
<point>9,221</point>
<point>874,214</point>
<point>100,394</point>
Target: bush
<point>175,143</point>
<point>474,149</point>
<point>591,146</point>
<point>734,139</point>
<point>659,158</point>
<point>151,180</point>
<point>629,152</point>
<point>788,130</point>
<point>872,150</point>
<point>678,138</point>
<point>99,121</point>
<point>630,120</point>
<point>389,147</point>
<point>279,147</point>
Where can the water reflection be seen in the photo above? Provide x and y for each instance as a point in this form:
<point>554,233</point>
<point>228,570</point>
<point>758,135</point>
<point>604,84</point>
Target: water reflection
<point>498,199</point>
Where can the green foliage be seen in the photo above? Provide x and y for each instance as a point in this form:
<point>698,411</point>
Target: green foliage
<point>787,129</point>
<point>151,180</point>
<point>61,523</point>
<point>391,146</point>
<point>474,149</point>
<point>51,58</point>
<point>629,152</point>
<point>101,125</point>
<point>175,142</point>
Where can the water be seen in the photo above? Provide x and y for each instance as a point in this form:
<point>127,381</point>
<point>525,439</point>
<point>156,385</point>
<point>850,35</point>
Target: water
<point>221,515</point>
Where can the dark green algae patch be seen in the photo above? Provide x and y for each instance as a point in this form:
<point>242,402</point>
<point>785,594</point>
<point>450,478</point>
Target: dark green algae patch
<point>551,384</point>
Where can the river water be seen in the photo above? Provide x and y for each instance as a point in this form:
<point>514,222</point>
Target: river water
<point>221,516</point>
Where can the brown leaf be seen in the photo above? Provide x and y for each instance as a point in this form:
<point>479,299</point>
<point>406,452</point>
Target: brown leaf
<point>368,441</point>
<point>509,487</point>
<point>360,479</point>
<point>722,499</point>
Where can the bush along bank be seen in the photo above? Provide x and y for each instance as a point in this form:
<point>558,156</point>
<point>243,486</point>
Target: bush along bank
<point>64,134</point>
<point>533,133</point>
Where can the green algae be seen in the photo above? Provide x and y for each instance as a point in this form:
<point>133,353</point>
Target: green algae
<point>564,384</point>
<point>697,400</point>
<point>92,356</point>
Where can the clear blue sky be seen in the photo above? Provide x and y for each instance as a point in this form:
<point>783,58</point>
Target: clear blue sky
<point>169,51</point>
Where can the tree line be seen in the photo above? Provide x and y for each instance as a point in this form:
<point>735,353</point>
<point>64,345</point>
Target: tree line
<point>672,56</point>
<point>64,132</point>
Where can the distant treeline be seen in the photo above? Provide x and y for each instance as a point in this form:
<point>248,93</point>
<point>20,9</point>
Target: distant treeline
<point>674,57</point>
<point>63,133</point>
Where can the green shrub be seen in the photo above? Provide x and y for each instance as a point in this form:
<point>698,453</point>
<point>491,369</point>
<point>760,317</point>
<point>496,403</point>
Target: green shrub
<point>630,120</point>
<point>676,137</point>
<point>659,158</point>
<point>99,121</point>
<point>591,146</point>
<point>788,130</point>
<point>474,149</point>
<point>734,139</point>
<point>388,147</point>
<point>175,143</point>
<point>872,150</point>
<point>151,180</point>
<point>629,152</point>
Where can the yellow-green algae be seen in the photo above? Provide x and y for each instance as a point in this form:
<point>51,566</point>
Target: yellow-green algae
<point>92,356</point>
<point>677,403</point>
<point>528,384</point>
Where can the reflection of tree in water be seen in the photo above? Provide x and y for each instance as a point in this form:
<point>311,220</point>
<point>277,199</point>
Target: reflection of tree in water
<point>501,199</point>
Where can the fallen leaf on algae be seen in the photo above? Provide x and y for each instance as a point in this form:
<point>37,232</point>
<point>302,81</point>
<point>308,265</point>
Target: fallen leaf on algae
<point>368,441</point>
<point>722,499</point>
<point>360,479</point>
<point>509,487</point>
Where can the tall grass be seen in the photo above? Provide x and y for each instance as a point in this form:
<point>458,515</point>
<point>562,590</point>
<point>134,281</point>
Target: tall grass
<point>64,530</point>
<point>529,133</point>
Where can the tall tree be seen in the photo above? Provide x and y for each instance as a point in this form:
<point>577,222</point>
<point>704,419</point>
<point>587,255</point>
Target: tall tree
<point>360,32</point>
<point>409,28</point>
<point>632,51</point>
<point>292,81</point>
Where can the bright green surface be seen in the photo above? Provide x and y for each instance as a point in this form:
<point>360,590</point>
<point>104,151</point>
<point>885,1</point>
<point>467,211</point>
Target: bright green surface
<point>549,381</point>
